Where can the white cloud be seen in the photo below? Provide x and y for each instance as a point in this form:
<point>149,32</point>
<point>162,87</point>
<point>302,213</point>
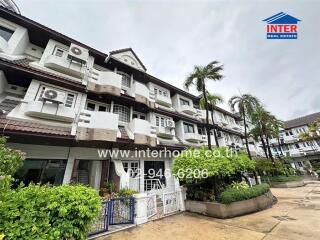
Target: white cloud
<point>171,37</point>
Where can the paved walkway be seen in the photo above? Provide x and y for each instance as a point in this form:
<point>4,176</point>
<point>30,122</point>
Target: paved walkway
<point>296,216</point>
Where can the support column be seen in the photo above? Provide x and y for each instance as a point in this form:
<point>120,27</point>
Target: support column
<point>68,171</point>
<point>141,208</point>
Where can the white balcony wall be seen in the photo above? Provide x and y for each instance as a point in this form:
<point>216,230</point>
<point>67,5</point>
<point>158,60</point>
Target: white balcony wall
<point>290,139</point>
<point>186,109</point>
<point>140,126</point>
<point>50,111</point>
<point>109,78</point>
<point>160,98</point>
<point>141,89</point>
<point>18,42</point>
<point>98,120</point>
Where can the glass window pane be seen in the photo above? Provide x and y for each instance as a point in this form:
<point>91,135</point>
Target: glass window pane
<point>5,33</point>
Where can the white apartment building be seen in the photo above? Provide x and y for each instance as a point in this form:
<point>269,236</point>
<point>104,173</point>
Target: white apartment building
<point>292,145</point>
<point>61,101</point>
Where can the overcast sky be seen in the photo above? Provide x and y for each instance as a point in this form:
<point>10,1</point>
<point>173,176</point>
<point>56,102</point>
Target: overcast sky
<point>170,37</point>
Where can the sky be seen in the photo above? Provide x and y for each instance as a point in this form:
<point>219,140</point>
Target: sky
<point>171,37</point>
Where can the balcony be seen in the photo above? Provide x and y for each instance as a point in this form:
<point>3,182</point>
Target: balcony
<point>144,132</point>
<point>50,111</point>
<point>92,126</point>
<point>65,65</point>
<point>194,137</point>
<point>108,82</point>
<point>295,153</point>
<point>141,93</point>
<point>290,139</point>
<point>165,132</point>
<point>162,100</point>
<point>188,109</point>
<point>3,45</point>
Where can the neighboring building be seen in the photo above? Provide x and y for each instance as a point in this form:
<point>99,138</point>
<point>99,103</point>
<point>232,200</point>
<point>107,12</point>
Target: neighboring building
<point>291,145</point>
<point>10,4</point>
<point>62,101</point>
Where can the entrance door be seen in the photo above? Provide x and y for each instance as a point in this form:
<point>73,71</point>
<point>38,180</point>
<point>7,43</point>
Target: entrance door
<point>132,167</point>
<point>153,174</point>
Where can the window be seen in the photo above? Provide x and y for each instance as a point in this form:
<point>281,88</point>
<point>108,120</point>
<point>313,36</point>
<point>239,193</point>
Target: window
<point>126,79</point>
<point>188,128</point>
<point>5,33</point>
<point>161,121</point>
<point>42,171</point>
<point>300,164</point>
<point>160,92</point>
<point>102,109</point>
<point>184,102</point>
<point>297,145</point>
<point>91,106</point>
<point>138,115</point>
<point>69,100</point>
<point>132,167</point>
<point>201,131</point>
<point>123,112</point>
<point>59,52</point>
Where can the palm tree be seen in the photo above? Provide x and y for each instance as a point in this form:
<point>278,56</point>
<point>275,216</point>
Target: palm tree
<point>256,133</point>
<point>213,100</point>
<point>198,77</point>
<point>246,105</point>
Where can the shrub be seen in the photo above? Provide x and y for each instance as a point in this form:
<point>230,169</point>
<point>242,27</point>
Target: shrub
<point>239,185</point>
<point>233,195</point>
<point>202,163</point>
<point>10,160</point>
<point>318,172</point>
<point>43,212</point>
<point>289,178</point>
<point>126,192</point>
<point>265,166</point>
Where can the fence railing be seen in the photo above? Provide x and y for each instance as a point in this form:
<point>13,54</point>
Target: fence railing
<point>152,184</point>
<point>151,205</point>
<point>170,202</point>
<point>114,212</point>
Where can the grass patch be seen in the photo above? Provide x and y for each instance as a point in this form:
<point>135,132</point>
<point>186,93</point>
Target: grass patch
<point>282,178</point>
<point>235,195</point>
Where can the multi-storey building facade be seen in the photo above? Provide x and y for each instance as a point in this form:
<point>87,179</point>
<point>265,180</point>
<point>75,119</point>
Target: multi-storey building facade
<point>290,144</point>
<point>61,101</point>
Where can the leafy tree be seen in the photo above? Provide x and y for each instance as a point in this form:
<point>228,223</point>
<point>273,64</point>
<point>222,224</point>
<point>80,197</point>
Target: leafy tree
<point>10,160</point>
<point>213,100</point>
<point>196,164</point>
<point>246,105</point>
<point>198,78</point>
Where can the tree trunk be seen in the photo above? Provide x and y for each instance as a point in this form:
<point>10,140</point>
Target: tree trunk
<point>245,133</point>
<point>214,128</point>
<point>264,146</point>
<point>269,151</point>
<point>279,145</point>
<point>207,115</point>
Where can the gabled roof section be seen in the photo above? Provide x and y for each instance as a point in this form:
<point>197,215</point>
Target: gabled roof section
<point>301,121</point>
<point>127,54</point>
<point>281,18</point>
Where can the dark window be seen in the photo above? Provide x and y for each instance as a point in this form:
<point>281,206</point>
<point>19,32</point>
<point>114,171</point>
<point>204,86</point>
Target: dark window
<point>42,171</point>
<point>69,100</point>
<point>184,102</point>
<point>297,145</point>
<point>134,115</point>
<point>91,106</point>
<point>142,117</point>
<point>102,109</point>
<point>5,33</point>
<point>188,128</point>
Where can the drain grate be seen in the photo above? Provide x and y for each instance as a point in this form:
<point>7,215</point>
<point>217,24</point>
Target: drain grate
<point>284,218</point>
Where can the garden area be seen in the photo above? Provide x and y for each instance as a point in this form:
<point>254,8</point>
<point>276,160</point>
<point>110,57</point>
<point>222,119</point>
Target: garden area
<point>42,212</point>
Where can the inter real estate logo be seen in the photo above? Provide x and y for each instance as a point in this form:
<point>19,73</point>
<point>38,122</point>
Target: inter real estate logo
<point>282,26</point>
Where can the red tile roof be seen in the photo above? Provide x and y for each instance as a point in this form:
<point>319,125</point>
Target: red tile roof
<point>27,127</point>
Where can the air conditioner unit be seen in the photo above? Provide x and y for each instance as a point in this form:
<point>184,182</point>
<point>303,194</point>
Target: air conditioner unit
<point>169,123</point>
<point>53,95</point>
<point>78,53</point>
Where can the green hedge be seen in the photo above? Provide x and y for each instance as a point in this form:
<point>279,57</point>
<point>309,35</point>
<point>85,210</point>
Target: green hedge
<point>43,212</point>
<point>233,195</point>
<point>283,178</point>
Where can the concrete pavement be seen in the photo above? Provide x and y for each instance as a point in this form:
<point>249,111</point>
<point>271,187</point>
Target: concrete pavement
<point>296,216</point>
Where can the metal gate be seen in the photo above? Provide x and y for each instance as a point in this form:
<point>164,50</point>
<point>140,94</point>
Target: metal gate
<point>101,224</point>
<point>121,211</point>
<point>115,211</point>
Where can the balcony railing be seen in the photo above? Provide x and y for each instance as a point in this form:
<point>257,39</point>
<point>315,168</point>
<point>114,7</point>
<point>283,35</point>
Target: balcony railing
<point>144,132</point>
<point>107,82</point>
<point>194,137</point>
<point>162,100</point>
<point>165,132</point>
<point>65,65</point>
<point>290,139</point>
<point>50,111</point>
<point>92,126</point>
<point>188,109</point>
